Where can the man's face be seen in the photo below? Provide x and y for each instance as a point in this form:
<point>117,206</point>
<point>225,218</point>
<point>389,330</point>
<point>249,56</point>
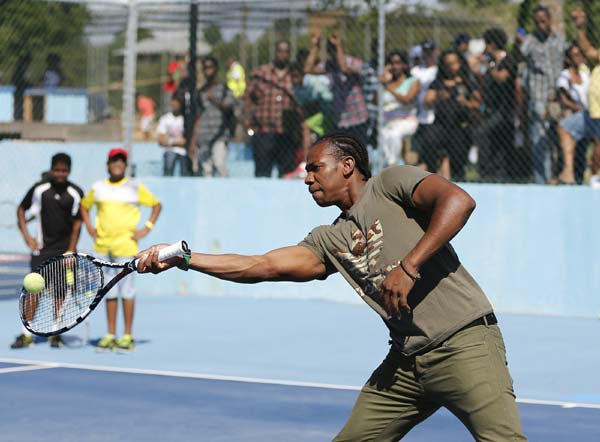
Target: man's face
<point>282,53</point>
<point>116,168</point>
<point>542,22</point>
<point>176,107</point>
<point>209,69</point>
<point>324,175</point>
<point>59,173</point>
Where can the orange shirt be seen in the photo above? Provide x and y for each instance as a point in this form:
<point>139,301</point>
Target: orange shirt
<point>145,106</point>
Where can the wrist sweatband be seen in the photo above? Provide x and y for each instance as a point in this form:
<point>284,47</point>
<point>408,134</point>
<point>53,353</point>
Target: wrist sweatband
<point>185,263</point>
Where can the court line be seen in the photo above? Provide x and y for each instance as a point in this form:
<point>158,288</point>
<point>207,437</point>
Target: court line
<point>27,368</point>
<point>249,380</point>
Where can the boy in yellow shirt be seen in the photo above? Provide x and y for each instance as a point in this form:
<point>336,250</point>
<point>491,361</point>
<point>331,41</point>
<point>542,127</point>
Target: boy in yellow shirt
<point>116,236</point>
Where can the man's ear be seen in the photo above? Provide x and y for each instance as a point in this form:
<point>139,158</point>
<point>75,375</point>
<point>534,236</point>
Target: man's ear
<point>348,165</point>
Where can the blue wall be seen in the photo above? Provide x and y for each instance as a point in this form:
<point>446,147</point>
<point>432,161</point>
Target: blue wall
<point>533,249</point>
<point>6,103</point>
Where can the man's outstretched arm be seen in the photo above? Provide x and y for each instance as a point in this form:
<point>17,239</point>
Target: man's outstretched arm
<point>295,263</point>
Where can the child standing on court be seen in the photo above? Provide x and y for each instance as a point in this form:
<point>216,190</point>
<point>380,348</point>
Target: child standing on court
<point>55,204</point>
<point>116,236</point>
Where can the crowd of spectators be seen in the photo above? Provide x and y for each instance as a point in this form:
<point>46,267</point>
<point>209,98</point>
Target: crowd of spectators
<point>498,111</point>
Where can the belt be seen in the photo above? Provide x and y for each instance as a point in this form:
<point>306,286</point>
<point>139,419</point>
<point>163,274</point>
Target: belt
<point>489,319</point>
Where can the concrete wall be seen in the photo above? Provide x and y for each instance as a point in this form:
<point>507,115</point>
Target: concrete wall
<point>6,104</point>
<point>532,248</point>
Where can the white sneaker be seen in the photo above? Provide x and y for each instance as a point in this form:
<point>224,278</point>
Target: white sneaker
<point>595,181</point>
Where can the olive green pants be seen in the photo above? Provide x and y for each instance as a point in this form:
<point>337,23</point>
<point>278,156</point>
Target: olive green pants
<point>467,374</point>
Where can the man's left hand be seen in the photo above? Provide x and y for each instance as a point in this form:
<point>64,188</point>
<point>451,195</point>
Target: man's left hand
<point>395,289</point>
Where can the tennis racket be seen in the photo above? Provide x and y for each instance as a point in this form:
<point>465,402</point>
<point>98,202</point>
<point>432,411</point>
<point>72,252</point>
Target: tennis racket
<point>74,286</point>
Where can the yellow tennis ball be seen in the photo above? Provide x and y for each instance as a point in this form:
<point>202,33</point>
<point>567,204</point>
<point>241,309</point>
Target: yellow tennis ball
<point>34,283</point>
<point>70,276</point>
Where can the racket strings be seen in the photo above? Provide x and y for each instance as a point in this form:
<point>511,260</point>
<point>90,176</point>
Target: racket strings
<point>71,284</point>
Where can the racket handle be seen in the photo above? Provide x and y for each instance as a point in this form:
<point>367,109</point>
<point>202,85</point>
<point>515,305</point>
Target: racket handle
<point>175,249</point>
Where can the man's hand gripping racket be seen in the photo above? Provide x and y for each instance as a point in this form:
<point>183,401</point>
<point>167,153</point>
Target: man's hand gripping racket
<point>74,286</point>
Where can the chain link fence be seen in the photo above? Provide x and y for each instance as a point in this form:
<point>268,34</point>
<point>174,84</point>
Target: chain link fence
<point>243,87</point>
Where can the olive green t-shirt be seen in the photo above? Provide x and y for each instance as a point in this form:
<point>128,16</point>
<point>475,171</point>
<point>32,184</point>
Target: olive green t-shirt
<point>369,240</point>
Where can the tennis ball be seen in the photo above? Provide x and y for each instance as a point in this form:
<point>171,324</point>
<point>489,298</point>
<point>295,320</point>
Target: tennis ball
<point>70,277</point>
<point>34,282</point>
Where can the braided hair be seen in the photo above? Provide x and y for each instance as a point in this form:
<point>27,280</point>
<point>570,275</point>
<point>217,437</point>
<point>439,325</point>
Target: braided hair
<point>343,145</point>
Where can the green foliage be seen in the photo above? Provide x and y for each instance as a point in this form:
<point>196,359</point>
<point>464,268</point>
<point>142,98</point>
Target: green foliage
<point>213,35</point>
<point>33,28</point>
<point>477,4</point>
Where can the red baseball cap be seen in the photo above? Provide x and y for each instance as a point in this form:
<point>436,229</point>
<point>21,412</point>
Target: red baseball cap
<point>116,152</point>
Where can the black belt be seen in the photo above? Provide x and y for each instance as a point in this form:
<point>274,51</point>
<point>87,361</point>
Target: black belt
<point>489,319</point>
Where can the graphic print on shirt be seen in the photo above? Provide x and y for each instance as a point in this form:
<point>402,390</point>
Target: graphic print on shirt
<point>362,263</point>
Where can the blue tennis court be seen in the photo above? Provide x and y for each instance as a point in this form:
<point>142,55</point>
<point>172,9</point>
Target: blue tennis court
<point>243,369</point>
<point>73,404</point>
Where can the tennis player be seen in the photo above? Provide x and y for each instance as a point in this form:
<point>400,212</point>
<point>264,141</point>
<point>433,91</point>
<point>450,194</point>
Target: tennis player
<point>116,236</point>
<point>55,203</point>
<point>391,243</point>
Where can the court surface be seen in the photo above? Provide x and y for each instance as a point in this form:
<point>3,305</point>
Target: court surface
<point>238,369</point>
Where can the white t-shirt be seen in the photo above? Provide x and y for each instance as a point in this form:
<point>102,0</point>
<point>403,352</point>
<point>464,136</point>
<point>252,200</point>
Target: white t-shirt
<point>171,126</point>
<point>425,75</point>
<point>577,92</point>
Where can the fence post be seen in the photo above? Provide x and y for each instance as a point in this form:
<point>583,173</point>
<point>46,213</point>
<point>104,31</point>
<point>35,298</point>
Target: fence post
<point>129,70</point>
<point>380,68</point>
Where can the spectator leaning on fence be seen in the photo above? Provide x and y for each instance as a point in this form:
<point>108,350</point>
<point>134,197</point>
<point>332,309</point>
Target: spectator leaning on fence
<point>267,98</point>
<point>208,147</point>
<point>399,106</point>
<point>171,138</point>
<point>592,117</point>
<point>350,112</point>
<point>573,85</point>
<point>497,130</point>
<point>456,99</point>
<point>425,72</point>
<point>543,53</point>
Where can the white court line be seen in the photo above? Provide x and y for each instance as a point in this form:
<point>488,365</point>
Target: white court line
<point>180,374</point>
<point>26,368</point>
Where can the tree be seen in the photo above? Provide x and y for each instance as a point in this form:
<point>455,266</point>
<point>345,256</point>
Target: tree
<point>213,35</point>
<point>32,27</point>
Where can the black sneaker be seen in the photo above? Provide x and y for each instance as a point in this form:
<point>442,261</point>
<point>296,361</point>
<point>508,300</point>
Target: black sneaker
<point>22,341</point>
<point>55,341</point>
